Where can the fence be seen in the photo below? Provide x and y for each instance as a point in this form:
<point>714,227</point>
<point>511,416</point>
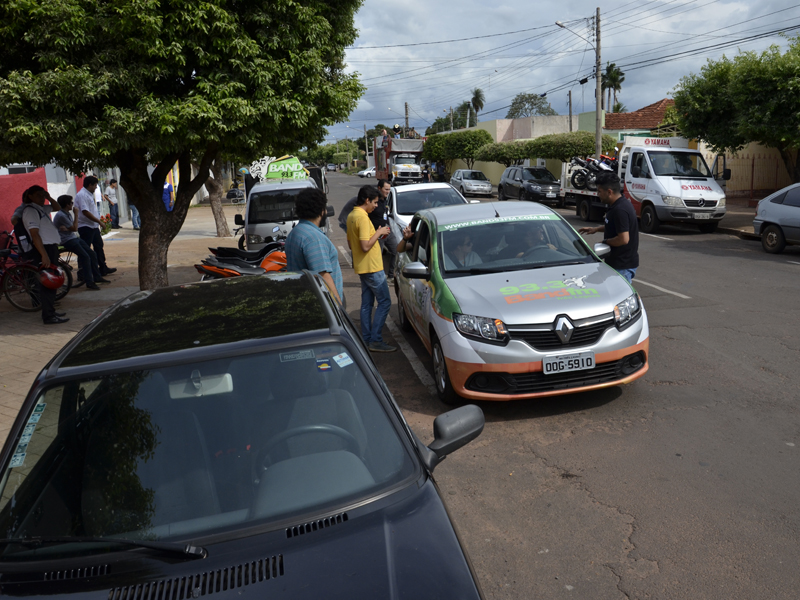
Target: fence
<point>756,175</point>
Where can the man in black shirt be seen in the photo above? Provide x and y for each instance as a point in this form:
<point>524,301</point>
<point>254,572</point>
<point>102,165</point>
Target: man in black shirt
<point>379,218</point>
<point>621,227</point>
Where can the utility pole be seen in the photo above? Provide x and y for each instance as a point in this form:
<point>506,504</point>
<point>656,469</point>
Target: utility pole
<point>366,145</point>
<point>451,118</point>
<point>569,95</point>
<point>598,135</point>
<point>405,133</point>
<point>469,115</point>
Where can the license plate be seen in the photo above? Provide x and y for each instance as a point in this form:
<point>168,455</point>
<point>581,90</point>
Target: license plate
<point>551,195</point>
<point>702,216</point>
<point>579,361</point>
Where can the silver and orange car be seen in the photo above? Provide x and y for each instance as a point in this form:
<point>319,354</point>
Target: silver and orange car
<point>512,303</point>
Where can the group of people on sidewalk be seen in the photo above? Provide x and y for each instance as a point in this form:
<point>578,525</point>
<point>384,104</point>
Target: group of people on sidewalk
<point>76,227</point>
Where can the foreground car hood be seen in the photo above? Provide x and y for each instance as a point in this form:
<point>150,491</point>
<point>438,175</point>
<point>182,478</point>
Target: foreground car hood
<point>406,550</point>
<point>540,295</point>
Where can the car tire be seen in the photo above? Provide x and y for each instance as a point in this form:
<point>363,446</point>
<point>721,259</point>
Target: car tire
<point>500,195</point>
<point>402,319</point>
<point>242,239</point>
<point>649,219</point>
<point>772,239</point>
<point>463,193</point>
<point>441,378</point>
<point>584,209</point>
<point>708,227</point>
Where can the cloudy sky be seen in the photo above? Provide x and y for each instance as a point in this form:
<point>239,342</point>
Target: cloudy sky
<point>514,46</point>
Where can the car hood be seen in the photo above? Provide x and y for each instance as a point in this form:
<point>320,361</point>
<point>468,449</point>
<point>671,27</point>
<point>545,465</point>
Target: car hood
<point>691,189</point>
<point>540,295</point>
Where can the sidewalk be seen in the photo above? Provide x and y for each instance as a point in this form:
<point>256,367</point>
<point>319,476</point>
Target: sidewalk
<point>29,345</point>
<point>738,219</point>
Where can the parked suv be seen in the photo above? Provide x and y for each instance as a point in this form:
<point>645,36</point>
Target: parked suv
<point>536,184</point>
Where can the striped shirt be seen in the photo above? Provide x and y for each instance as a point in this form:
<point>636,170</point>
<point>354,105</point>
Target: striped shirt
<point>308,248</point>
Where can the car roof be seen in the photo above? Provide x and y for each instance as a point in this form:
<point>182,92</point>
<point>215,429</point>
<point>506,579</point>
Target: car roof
<point>460,213</point>
<point>201,315</point>
<point>421,186</point>
<point>276,184</point>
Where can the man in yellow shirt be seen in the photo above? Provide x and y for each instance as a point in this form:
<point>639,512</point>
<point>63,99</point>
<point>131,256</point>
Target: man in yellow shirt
<point>368,263</point>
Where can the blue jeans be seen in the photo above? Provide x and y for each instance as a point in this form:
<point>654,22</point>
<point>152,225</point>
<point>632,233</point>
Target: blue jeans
<point>113,210</point>
<point>88,269</point>
<point>374,286</point>
<point>136,220</point>
<point>628,274</point>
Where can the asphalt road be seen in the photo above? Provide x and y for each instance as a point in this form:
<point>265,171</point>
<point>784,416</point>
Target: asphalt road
<point>681,485</point>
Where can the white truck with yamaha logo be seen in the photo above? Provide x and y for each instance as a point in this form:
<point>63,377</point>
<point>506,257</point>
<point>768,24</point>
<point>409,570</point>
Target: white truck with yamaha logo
<point>666,181</point>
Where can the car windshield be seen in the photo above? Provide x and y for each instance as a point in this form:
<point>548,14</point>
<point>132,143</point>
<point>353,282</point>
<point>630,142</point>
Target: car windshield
<point>537,175</point>
<point>475,176</point>
<point>207,447</point>
<point>274,206</point>
<point>405,159</point>
<point>410,201</point>
<point>679,164</point>
<point>509,244</point>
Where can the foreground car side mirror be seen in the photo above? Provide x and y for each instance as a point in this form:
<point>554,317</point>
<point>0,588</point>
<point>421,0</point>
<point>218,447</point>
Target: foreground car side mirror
<point>451,431</point>
<point>416,270</point>
<point>331,212</point>
<point>238,219</point>
<point>601,249</point>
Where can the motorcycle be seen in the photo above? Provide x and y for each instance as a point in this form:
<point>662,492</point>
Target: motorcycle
<point>233,262</point>
<point>586,176</point>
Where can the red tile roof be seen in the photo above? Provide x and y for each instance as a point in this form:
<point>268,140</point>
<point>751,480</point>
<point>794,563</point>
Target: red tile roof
<point>648,117</point>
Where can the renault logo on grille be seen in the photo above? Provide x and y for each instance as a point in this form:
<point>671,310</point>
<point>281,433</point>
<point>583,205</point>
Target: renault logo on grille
<point>564,329</point>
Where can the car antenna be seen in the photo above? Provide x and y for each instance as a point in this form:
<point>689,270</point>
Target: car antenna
<point>496,214</point>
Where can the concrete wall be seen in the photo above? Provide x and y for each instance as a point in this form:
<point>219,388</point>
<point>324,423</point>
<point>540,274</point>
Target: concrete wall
<point>11,188</point>
<point>552,124</point>
<point>586,121</point>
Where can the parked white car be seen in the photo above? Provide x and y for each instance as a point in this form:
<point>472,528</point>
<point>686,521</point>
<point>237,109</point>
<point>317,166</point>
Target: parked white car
<point>367,172</point>
<point>404,201</point>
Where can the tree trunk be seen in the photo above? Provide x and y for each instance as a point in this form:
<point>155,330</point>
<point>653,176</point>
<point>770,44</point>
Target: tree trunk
<point>215,190</point>
<point>791,160</point>
<point>159,227</point>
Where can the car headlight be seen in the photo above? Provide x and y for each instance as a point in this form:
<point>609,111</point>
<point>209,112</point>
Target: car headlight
<point>481,328</point>
<point>534,188</point>
<point>672,200</point>
<point>721,202</point>
<point>254,239</point>
<point>627,310</point>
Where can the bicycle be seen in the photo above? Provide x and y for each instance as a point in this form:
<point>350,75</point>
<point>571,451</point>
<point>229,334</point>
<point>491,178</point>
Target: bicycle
<point>19,280</point>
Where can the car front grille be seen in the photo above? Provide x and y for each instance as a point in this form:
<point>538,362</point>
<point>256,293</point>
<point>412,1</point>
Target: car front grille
<point>586,333</point>
<point>696,203</point>
<point>538,382</point>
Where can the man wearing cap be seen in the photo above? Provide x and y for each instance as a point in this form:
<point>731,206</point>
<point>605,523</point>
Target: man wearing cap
<point>45,239</point>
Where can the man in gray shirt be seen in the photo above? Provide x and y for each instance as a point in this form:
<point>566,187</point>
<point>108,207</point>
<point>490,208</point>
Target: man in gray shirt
<point>66,221</point>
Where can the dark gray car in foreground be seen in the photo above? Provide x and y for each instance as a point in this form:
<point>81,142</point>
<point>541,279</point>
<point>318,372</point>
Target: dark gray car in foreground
<point>225,438</point>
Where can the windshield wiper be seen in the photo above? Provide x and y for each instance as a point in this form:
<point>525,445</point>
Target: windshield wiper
<point>186,550</point>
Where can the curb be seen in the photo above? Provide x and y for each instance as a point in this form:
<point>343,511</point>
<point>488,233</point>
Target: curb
<point>745,235</point>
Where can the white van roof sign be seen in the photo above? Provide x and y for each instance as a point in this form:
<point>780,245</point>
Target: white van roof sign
<point>670,142</point>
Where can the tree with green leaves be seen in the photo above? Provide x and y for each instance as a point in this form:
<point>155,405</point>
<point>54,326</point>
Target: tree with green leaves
<point>139,85</point>
<point>750,98</point>
<point>619,107</point>
<point>505,153</point>
<point>563,146</point>
<point>612,82</point>
<point>529,105</point>
<point>465,144</point>
<point>478,100</point>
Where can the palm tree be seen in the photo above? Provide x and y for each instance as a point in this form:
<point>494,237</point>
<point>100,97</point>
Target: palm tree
<point>478,100</point>
<point>612,81</point>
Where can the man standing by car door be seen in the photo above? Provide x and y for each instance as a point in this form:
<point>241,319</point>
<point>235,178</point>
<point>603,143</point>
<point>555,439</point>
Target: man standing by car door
<point>379,219</point>
<point>362,237</point>
<point>621,227</point>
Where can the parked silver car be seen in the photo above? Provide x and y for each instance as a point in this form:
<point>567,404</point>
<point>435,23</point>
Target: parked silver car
<point>778,219</point>
<point>406,200</point>
<point>469,181</point>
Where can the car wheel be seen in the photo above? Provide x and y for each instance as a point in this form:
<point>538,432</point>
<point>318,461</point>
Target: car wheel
<point>773,240</point>
<point>463,193</point>
<point>708,227</point>
<point>500,195</point>
<point>402,319</point>
<point>241,241</point>
<point>444,389</point>
<point>650,220</point>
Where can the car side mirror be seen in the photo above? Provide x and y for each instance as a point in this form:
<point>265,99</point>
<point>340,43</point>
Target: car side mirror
<point>636,171</point>
<point>416,270</point>
<point>726,174</point>
<point>601,249</point>
<point>451,431</point>
<point>331,212</point>
<point>238,219</point>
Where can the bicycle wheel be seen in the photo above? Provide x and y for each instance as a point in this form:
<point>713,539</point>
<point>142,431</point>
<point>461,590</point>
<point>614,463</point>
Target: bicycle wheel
<point>66,271</point>
<point>21,287</point>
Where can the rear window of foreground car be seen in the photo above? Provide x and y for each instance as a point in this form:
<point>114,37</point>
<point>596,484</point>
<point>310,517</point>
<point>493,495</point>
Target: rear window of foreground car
<point>411,201</point>
<point>187,450</point>
<point>511,244</point>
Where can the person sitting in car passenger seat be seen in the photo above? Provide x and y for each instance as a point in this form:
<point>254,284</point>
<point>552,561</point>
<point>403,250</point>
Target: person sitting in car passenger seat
<point>459,253</point>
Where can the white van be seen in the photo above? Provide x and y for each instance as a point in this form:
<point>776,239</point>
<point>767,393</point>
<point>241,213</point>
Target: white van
<point>665,180</point>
